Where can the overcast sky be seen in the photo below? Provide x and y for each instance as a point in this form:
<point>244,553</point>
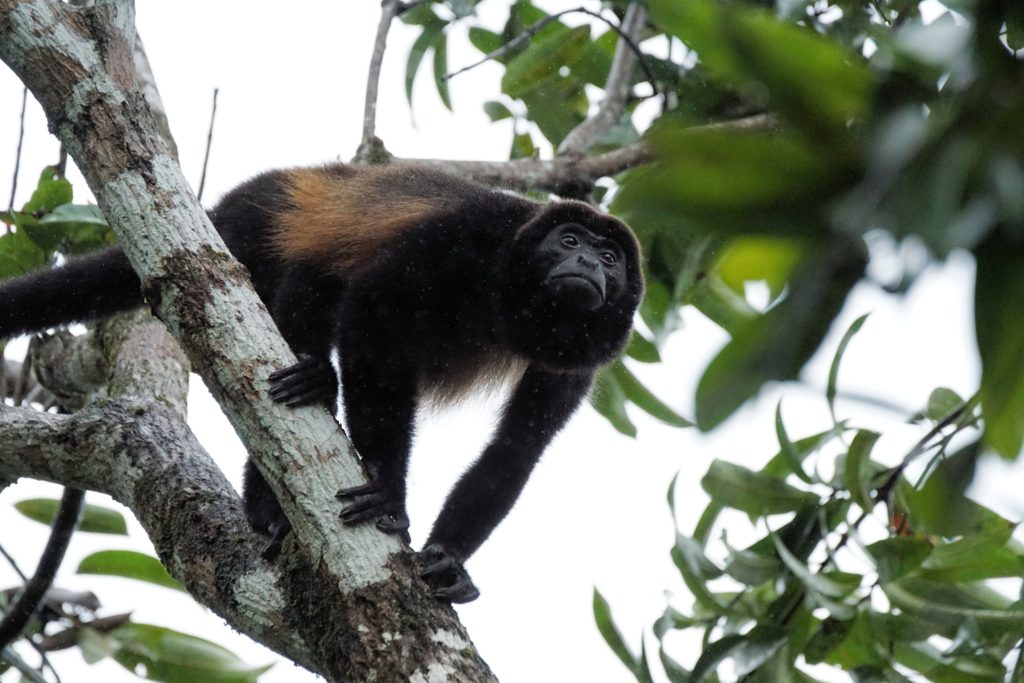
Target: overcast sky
<point>594,514</point>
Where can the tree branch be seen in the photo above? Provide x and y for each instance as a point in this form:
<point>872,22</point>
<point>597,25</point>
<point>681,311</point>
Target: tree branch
<point>351,596</point>
<point>370,145</point>
<point>617,88</point>
<point>27,602</point>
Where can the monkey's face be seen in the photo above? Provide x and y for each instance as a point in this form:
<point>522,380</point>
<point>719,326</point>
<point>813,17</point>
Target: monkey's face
<point>582,269</point>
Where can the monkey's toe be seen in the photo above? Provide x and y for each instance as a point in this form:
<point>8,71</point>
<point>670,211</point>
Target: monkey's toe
<point>446,576</point>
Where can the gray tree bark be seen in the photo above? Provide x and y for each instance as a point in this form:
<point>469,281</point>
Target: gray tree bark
<point>345,603</point>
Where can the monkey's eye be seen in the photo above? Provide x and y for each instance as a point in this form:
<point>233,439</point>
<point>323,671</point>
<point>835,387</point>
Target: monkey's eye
<point>570,240</point>
<point>608,258</point>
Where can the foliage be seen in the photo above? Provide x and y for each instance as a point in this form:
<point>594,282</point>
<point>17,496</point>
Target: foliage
<point>151,652</point>
<point>882,120</point>
<point>853,564</point>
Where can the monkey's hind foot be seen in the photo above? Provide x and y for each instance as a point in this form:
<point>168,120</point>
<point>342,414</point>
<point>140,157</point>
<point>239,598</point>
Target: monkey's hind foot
<point>446,575</point>
<point>371,501</point>
<point>310,381</point>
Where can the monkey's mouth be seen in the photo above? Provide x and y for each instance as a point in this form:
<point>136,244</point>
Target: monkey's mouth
<point>578,289</point>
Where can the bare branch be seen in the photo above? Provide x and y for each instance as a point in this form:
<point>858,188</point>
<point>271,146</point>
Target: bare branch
<point>27,602</point>
<point>549,175</point>
<point>209,143</point>
<point>17,153</point>
<point>617,88</point>
<point>389,10</point>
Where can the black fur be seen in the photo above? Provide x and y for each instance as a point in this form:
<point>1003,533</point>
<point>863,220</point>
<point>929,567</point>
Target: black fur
<point>467,283</point>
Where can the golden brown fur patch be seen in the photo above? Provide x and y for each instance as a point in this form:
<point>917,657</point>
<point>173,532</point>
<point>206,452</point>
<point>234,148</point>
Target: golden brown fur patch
<point>487,375</point>
<point>339,216</point>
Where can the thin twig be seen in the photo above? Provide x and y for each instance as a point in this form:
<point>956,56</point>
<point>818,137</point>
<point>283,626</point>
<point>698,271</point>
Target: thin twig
<point>389,10</point>
<point>14,565</point>
<point>62,162</point>
<point>27,602</point>
<point>531,30</point>
<point>17,154</point>
<point>617,88</point>
<point>209,143</point>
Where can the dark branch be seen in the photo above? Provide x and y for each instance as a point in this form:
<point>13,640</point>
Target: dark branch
<point>26,604</point>
<point>209,143</point>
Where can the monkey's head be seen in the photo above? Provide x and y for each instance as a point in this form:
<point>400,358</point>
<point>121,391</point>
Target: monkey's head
<point>574,283</point>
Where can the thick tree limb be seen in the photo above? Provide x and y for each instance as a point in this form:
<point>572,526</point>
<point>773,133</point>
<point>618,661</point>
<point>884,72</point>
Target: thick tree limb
<point>351,596</point>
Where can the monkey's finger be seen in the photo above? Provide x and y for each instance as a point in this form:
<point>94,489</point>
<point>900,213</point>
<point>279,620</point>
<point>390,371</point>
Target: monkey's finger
<point>363,510</point>
<point>355,491</point>
<point>459,592</point>
<point>444,564</point>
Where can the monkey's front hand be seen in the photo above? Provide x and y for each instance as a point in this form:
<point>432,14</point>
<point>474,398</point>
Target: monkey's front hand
<point>311,380</point>
<point>446,575</point>
<point>372,501</point>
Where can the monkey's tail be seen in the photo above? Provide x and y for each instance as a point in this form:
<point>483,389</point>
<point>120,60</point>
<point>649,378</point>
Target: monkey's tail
<point>85,288</point>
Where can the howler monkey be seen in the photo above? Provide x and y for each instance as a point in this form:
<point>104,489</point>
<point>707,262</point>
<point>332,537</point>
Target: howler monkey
<point>426,285</point>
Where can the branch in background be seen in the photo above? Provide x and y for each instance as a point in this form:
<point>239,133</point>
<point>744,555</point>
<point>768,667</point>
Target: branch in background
<point>534,28</point>
<point>388,11</point>
<point>17,154</point>
<point>549,175</point>
<point>617,88</point>
<point>209,143</point>
<point>27,602</point>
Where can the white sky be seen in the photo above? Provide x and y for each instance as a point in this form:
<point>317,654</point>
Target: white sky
<point>594,514</point>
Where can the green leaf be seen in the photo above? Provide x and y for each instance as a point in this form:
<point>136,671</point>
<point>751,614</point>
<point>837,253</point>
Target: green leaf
<point>776,345</point>
<point>759,645</point>
<point>642,349</point>
<point>999,324</point>
<point>441,69</point>
<point>129,564</point>
<point>174,657</point>
<point>644,399</point>
<point>729,184</point>
<point>894,557</point>
<point>976,557</point>
<point>787,448</point>
<point>95,519</point>
<point>754,493</point>
<point>432,29</point>
<point>858,469</point>
<point>672,620</point>
<point>522,146</point>
<point>713,654</point>
<point>51,191</point>
<point>19,255</point>
<point>609,399</point>
<point>484,40</point>
<point>752,258</point>
<point>810,80</point>
<point>610,632</point>
<point>778,465</point>
<point>496,111</point>
<point>543,58</point>
<point>947,605</point>
<point>692,553</point>
<point>834,586</point>
<point>833,372</point>
<point>557,105</point>
<point>827,638</point>
<point>752,568</point>
<point>942,402</point>
<point>72,228</point>
<point>940,507</point>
